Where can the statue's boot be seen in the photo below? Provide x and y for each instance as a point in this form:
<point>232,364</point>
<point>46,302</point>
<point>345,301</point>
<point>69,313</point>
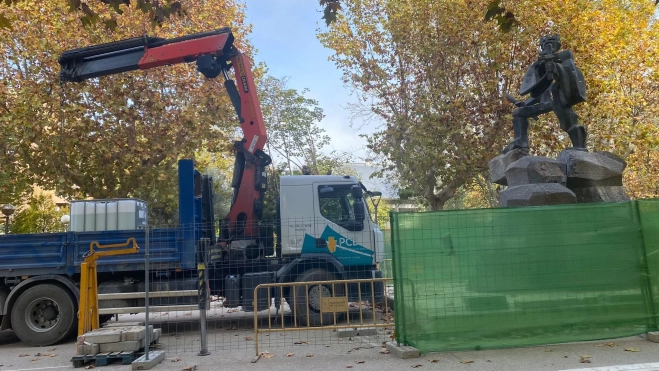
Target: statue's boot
<point>578,137</point>
<point>521,131</point>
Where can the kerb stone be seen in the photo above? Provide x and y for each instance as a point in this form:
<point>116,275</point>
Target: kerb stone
<point>87,349</point>
<point>122,346</point>
<point>122,324</point>
<point>100,336</point>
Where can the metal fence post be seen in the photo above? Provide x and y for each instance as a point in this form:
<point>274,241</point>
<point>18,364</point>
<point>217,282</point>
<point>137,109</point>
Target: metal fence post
<point>147,339</point>
<point>202,292</point>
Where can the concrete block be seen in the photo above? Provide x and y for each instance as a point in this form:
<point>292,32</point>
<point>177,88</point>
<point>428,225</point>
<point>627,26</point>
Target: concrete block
<point>368,331</point>
<point>349,332</point>
<point>535,169</point>
<point>155,357</point>
<point>652,336</point>
<point>346,332</point>
<point>100,336</point>
<point>157,333</point>
<point>499,164</point>
<point>122,346</point>
<point>87,349</point>
<point>134,332</point>
<point>123,324</point>
<point>536,195</point>
<point>402,351</point>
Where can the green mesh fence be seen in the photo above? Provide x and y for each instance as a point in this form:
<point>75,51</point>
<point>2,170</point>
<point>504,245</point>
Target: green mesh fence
<point>505,277</point>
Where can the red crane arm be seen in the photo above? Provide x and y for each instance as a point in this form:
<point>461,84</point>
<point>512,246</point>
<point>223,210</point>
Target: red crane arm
<point>214,54</point>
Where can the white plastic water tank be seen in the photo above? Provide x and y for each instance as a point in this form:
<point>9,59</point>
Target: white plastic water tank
<point>101,216</point>
<point>132,214</point>
<point>108,215</point>
<point>77,216</point>
<point>90,216</point>
<point>112,216</point>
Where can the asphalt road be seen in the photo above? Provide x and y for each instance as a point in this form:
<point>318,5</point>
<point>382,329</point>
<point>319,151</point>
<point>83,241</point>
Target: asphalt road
<point>232,348</point>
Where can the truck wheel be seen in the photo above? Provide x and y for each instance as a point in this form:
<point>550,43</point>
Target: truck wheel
<point>43,315</point>
<point>314,294</point>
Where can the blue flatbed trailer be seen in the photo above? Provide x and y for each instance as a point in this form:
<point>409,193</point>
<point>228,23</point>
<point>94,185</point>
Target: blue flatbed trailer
<point>48,265</point>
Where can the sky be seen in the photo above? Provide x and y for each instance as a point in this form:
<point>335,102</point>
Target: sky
<point>284,34</point>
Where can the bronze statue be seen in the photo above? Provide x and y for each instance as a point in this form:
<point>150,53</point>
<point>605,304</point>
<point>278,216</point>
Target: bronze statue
<point>555,84</point>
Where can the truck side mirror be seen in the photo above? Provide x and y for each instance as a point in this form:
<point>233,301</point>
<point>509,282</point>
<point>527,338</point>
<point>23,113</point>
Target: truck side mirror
<point>360,210</point>
<point>357,192</point>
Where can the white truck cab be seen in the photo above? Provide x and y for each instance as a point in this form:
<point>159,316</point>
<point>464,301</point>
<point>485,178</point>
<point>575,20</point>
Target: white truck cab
<point>320,214</point>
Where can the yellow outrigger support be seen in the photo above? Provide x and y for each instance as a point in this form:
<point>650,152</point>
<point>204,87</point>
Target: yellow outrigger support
<point>88,306</point>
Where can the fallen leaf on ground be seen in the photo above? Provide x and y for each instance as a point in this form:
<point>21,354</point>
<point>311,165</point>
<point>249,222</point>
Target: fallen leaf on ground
<point>89,367</point>
<point>416,366</point>
<point>433,360</point>
<point>348,366</point>
<point>176,359</point>
<point>190,368</point>
<point>289,354</point>
<point>466,361</point>
<point>248,338</point>
<point>300,342</point>
<point>309,355</point>
<point>34,359</point>
<point>632,350</point>
<point>384,351</point>
<point>267,355</point>
<point>24,355</point>
<point>51,350</point>
<point>360,362</point>
<point>548,350</point>
<point>584,359</point>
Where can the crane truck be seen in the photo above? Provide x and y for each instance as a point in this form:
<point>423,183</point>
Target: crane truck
<point>322,232</point>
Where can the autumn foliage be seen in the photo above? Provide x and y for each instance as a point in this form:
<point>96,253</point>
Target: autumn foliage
<point>436,75</point>
<point>115,136</point>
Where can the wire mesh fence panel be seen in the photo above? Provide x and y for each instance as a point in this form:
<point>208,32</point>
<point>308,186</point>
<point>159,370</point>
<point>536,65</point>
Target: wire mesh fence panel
<point>340,313</point>
<point>487,278</point>
<point>195,267</point>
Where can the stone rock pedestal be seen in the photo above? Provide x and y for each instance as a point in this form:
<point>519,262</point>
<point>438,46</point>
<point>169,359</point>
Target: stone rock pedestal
<point>531,180</point>
<point>574,177</point>
<point>594,177</point>
<point>499,164</point>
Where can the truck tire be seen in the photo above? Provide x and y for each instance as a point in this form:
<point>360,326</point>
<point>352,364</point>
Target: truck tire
<point>314,294</point>
<point>43,315</point>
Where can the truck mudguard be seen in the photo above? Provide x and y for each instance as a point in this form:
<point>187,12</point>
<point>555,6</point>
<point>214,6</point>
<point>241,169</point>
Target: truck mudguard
<point>288,272</point>
<point>13,294</point>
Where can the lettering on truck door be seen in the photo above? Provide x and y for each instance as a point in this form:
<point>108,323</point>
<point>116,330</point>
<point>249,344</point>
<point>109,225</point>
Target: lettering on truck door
<point>335,226</point>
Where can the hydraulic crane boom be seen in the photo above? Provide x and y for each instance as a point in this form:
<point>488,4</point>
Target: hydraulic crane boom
<point>214,54</point>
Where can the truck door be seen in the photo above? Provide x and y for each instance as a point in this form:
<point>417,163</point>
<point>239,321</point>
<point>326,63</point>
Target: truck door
<point>337,230</point>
